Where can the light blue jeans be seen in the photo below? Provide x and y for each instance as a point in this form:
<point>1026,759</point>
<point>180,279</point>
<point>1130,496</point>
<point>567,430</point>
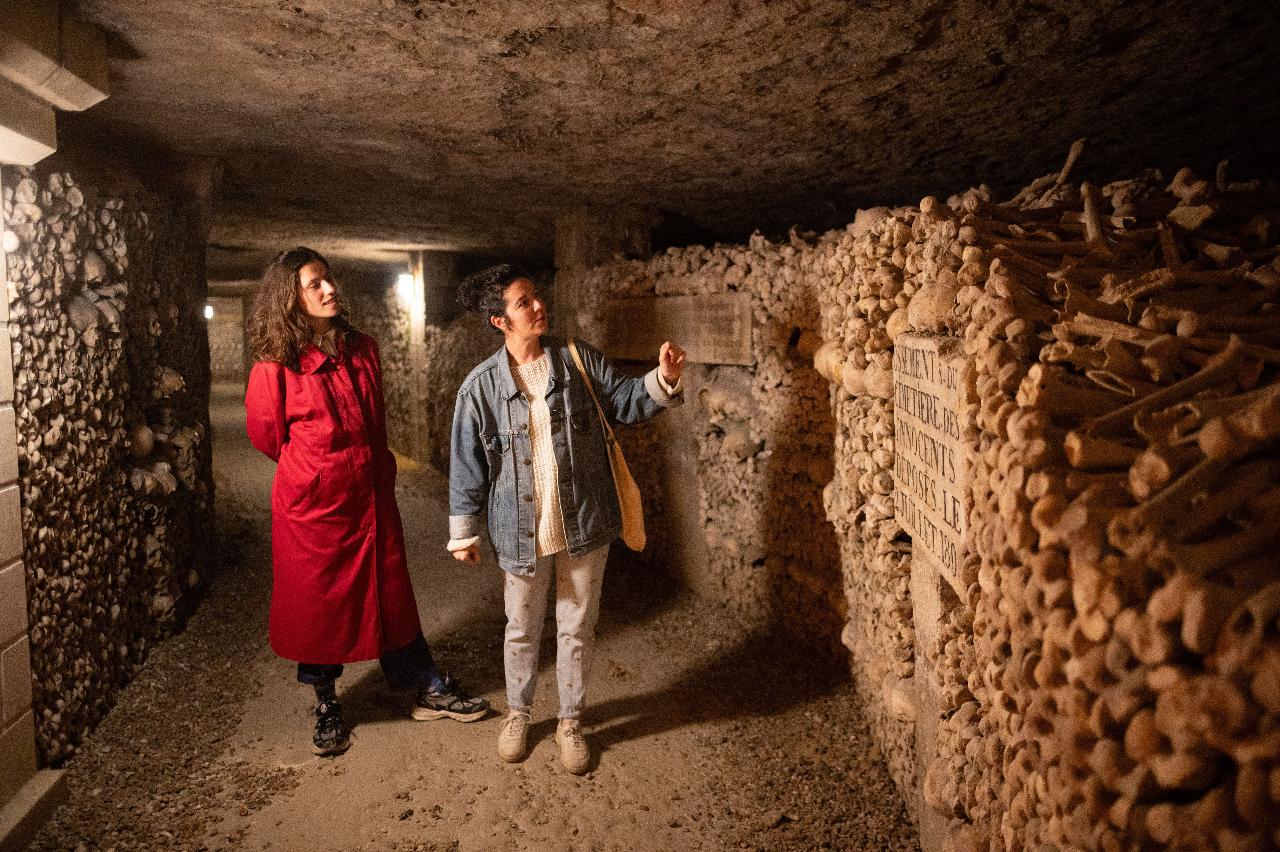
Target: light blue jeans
<point>578,581</point>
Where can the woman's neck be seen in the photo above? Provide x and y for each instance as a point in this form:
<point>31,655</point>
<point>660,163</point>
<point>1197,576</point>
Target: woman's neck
<point>320,326</point>
<point>524,350</point>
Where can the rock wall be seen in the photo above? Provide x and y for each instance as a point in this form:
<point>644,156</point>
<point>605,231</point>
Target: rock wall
<point>419,381</point>
<point>227,339</point>
<point>1099,669</point>
<point>111,363</point>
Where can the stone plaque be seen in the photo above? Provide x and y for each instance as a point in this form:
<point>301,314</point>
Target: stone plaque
<point>713,328</point>
<point>932,378</point>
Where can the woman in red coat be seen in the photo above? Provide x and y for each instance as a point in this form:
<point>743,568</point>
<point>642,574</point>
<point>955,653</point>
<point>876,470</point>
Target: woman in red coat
<point>341,590</point>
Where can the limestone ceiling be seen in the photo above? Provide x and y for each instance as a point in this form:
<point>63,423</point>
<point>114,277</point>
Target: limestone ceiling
<point>469,125</point>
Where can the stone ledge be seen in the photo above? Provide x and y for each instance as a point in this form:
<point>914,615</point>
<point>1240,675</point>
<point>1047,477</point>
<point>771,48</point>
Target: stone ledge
<point>56,58</point>
<point>30,808</point>
<point>28,129</point>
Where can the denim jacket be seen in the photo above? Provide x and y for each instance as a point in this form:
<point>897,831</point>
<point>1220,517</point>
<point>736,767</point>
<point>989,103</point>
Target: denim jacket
<point>491,457</point>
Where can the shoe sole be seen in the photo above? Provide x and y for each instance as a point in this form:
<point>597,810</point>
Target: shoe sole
<point>422,714</point>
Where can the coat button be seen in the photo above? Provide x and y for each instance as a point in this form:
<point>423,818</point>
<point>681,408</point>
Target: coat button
<point>528,498</point>
<point>528,461</point>
<point>528,535</point>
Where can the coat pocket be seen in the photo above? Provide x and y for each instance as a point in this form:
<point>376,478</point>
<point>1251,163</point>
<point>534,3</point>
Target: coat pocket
<point>296,494</point>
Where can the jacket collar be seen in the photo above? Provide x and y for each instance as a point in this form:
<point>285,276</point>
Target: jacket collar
<point>312,359</point>
<point>553,346</point>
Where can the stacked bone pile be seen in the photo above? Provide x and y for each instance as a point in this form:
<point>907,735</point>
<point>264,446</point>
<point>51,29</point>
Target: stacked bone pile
<point>109,362</point>
<point>1126,692</point>
<point>763,432</point>
<point>888,273</point>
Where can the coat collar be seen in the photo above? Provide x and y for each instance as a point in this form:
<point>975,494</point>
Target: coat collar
<point>553,346</point>
<point>312,359</point>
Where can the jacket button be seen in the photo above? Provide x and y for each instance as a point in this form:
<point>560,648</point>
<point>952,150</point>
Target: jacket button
<point>528,461</point>
<point>528,535</point>
<point>528,498</point>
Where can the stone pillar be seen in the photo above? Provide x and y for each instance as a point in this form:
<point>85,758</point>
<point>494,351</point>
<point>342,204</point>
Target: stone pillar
<point>437,275</point>
<point>27,794</point>
<point>586,238</point>
<point>48,62</point>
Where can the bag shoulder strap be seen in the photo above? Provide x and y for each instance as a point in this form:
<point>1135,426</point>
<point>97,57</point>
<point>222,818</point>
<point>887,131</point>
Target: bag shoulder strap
<point>577,359</point>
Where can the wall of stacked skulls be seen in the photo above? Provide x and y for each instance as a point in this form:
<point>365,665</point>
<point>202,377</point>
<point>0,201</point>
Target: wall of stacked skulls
<point>760,437</point>
<point>1111,678</point>
<point>111,365</point>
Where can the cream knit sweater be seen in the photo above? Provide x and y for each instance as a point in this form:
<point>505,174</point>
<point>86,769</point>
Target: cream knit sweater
<point>532,379</point>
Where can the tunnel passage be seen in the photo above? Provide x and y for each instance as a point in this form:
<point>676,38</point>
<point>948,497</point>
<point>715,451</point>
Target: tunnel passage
<point>1012,461</point>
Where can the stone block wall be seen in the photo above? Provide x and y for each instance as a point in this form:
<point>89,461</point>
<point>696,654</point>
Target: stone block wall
<point>227,339</point>
<point>17,720</point>
<point>105,296</point>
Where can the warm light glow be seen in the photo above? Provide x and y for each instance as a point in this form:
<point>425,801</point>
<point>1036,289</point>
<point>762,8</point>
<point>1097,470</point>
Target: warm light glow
<point>404,288</point>
<point>208,311</point>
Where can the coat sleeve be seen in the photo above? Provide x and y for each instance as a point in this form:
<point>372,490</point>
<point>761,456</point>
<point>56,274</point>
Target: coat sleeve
<point>626,399</point>
<point>264,408</point>
<point>468,470</point>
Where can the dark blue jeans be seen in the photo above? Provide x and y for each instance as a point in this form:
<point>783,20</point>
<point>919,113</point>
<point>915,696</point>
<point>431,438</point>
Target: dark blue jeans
<point>410,667</point>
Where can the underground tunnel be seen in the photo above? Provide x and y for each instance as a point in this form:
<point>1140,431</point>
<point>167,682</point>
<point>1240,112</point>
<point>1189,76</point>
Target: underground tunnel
<point>962,539</point>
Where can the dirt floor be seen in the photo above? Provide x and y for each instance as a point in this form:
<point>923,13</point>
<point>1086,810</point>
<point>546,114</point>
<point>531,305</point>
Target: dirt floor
<point>704,737</point>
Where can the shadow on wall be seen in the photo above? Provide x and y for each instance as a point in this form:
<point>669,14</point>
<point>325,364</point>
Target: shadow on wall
<point>802,556</point>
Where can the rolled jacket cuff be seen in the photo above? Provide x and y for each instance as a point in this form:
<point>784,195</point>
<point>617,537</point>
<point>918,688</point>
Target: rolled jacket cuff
<point>463,526</point>
<point>657,389</point>
<point>462,543</point>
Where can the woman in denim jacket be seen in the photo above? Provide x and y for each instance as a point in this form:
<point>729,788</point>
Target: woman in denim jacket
<point>528,449</point>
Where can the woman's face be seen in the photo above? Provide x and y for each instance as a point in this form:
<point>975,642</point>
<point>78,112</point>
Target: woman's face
<point>526,314</point>
<point>317,294</point>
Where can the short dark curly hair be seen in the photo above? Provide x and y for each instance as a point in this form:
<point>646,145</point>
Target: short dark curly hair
<point>482,291</point>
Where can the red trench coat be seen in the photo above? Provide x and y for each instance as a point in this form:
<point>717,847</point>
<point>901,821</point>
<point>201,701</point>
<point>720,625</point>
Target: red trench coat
<point>341,587</point>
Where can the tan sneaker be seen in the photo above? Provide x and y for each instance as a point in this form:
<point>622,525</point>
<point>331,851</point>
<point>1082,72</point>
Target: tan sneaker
<point>513,739</point>
<point>574,753</point>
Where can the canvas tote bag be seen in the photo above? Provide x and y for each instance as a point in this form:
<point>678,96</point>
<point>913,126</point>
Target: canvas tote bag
<point>628,492</point>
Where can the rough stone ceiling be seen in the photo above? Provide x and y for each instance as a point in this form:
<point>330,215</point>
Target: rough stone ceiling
<point>469,125</point>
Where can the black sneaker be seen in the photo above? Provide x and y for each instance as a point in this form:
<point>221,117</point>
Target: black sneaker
<point>331,734</point>
<point>450,701</point>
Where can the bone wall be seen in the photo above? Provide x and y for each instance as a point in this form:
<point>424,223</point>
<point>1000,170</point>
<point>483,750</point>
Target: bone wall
<point>1106,674</point>
<point>734,478</point>
<point>111,369</point>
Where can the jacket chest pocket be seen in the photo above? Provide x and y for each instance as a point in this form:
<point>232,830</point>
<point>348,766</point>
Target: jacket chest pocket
<point>497,452</point>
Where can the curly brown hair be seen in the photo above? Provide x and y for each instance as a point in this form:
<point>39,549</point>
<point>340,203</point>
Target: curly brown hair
<point>278,329</point>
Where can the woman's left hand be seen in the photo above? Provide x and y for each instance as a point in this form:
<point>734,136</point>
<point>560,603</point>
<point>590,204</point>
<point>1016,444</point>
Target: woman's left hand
<point>671,362</point>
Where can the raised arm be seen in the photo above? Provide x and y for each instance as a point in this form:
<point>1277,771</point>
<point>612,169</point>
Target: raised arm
<point>264,408</point>
<point>632,400</point>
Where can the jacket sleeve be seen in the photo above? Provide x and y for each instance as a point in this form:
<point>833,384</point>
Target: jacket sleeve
<point>264,408</point>
<point>468,470</point>
<point>626,399</point>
